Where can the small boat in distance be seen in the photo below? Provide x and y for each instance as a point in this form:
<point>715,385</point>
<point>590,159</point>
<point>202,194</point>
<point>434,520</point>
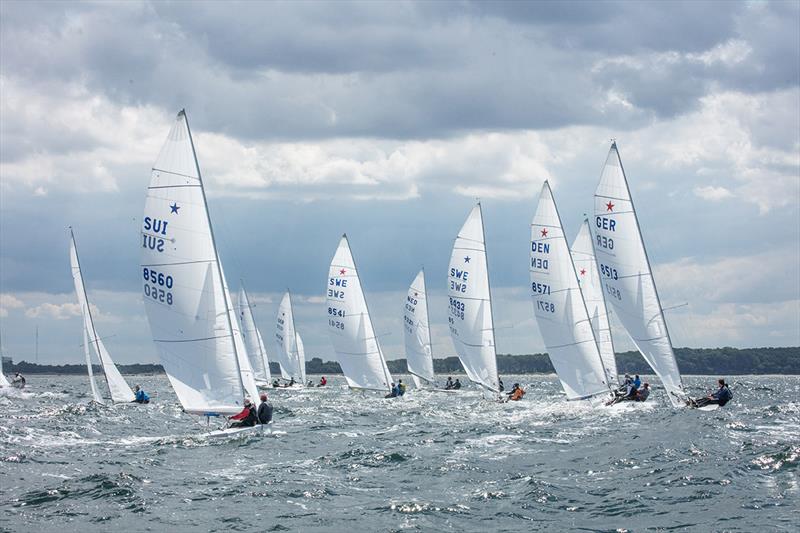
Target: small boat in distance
<point>419,350</point>
<point>120,391</point>
<point>290,345</point>
<point>350,327</point>
<point>254,344</point>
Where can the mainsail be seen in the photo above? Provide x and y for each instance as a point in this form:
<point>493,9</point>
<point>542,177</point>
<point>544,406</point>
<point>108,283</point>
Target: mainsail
<point>592,289</point>
<point>419,353</point>
<point>470,310</point>
<point>350,327</point>
<point>120,391</point>
<point>245,368</point>
<point>252,339</point>
<point>186,301</point>
<point>289,342</point>
<point>559,307</point>
<point>627,277</point>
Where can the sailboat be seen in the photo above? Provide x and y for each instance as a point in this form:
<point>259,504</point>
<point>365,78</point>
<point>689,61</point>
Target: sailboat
<point>470,309</point>
<point>419,350</point>
<point>592,289</point>
<point>120,391</point>
<point>290,345</point>
<point>559,306</point>
<point>188,305</point>
<point>253,341</point>
<point>350,327</point>
<point>628,278</point>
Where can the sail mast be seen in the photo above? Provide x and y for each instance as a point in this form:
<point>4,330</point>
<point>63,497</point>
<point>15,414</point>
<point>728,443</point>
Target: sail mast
<point>386,374</point>
<point>489,285</point>
<point>94,339</point>
<point>580,289</point>
<point>646,257</point>
<point>216,256</point>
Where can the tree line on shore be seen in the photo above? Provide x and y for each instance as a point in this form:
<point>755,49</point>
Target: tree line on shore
<point>715,361</point>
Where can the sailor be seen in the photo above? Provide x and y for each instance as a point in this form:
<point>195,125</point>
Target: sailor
<point>18,381</point>
<point>516,393</point>
<point>449,384</point>
<point>643,393</point>
<point>627,383</point>
<point>322,382</point>
<point>264,410</point>
<point>457,384</point>
<point>392,391</point>
<point>275,383</point>
<point>401,387</point>
<point>291,382</point>
<point>637,382</point>
<point>721,397</point>
<point>140,395</point>
<point>246,418</point>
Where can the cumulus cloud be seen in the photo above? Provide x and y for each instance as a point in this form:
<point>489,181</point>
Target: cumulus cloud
<point>9,301</point>
<point>55,311</point>
<point>714,194</point>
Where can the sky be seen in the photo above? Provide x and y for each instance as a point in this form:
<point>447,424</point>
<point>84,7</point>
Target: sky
<point>387,120</point>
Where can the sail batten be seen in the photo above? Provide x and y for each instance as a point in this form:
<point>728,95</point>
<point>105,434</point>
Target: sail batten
<point>470,306</point>
<point>559,306</point>
<point>186,297</point>
<point>627,276</point>
<point>117,386</point>
<point>350,326</point>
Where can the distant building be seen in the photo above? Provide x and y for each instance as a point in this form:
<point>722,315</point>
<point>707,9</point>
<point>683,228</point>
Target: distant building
<point>6,362</point>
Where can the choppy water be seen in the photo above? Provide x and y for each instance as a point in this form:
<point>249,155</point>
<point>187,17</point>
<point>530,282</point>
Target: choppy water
<point>340,461</point>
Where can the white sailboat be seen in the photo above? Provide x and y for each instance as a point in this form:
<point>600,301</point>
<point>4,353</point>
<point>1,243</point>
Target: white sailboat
<point>419,350</point>
<point>120,391</point>
<point>253,341</point>
<point>186,299</point>
<point>559,307</point>
<point>350,327</point>
<point>289,342</point>
<point>592,289</point>
<point>470,309</point>
<point>627,277</point>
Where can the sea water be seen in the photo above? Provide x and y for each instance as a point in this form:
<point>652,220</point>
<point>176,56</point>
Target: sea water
<point>344,461</point>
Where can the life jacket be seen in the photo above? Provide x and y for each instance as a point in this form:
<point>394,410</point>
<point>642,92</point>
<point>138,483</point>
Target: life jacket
<point>517,394</point>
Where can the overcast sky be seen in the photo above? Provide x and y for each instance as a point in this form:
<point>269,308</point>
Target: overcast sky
<point>386,120</point>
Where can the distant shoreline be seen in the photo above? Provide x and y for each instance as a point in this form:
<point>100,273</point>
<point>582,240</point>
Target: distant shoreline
<point>691,361</point>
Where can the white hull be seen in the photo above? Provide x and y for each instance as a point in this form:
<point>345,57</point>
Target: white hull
<point>709,407</point>
<point>259,429</point>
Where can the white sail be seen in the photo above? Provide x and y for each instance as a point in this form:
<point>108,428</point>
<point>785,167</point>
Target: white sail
<point>419,352</point>
<point>95,393</point>
<point>252,339</point>
<point>470,309</point>
<point>289,343</point>
<point>245,369</point>
<point>627,277</point>
<point>589,277</point>
<point>120,391</point>
<point>3,380</point>
<point>350,328</point>
<point>559,308</point>
<point>185,298</point>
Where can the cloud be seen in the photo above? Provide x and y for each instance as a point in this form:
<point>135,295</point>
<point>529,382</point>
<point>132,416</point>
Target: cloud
<point>55,311</point>
<point>7,302</point>
<point>711,193</point>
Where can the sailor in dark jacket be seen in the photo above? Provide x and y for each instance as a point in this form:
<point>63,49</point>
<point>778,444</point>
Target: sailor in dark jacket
<point>264,410</point>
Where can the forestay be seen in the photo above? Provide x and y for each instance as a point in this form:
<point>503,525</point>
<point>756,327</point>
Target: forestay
<point>627,277</point>
<point>289,342</point>
<point>558,305</point>
<point>470,309</point>
<point>419,353</point>
<point>350,327</point>
<point>589,278</point>
<point>252,339</point>
<point>184,295</point>
<point>120,391</point>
